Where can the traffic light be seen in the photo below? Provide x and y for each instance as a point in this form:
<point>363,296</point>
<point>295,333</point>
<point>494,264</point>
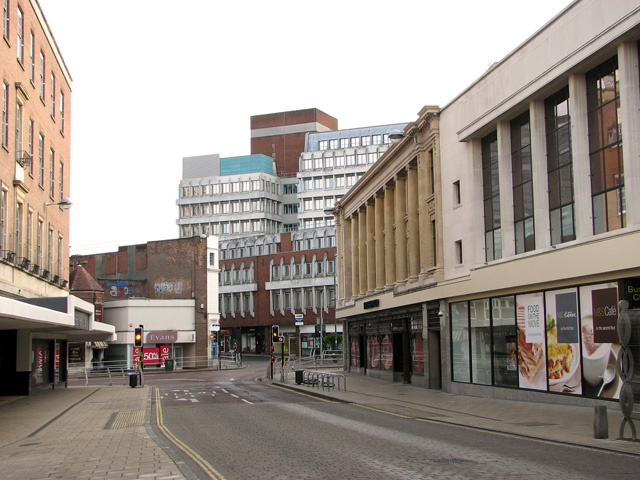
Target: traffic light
<point>275,333</point>
<point>273,354</point>
<point>137,337</point>
<point>214,336</point>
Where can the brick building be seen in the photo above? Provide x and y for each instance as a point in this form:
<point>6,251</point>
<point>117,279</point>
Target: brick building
<point>38,317</point>
<point>169,286</point>
<point>282,135</point>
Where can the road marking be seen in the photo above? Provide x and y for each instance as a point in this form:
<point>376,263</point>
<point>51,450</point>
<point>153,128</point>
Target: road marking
<point>233,395</point>
<point>202,463</point>
<point>247,401</point>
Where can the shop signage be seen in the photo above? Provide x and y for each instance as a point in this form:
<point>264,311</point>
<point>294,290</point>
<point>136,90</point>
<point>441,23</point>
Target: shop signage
<point>371,304</point>
<point>567,317</point>
<point>162,337</point>
<point>153,356</point>
<point>605,315</point>
<point>226,331</point>
<point>534,318</point>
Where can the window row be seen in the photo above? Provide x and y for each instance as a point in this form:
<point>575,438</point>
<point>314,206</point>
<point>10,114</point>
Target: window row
<point>236,276</point>
<point>340,161</point>
<point>229,253</point>
<point>232,187</point>
<point>29,242</point>
<point>229,208</point>
<point>40,162</point>
<point>360,141</point>
<point>605,163</point>
<point>334,181</point>
<point>319,268</point>
<point>56,98</point>
<point>302,298</point>
<point>228,228</point>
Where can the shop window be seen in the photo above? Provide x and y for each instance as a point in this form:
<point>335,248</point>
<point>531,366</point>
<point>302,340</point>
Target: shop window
<point>460,342</point>
<point>505,342</point>
<point>480,341</point>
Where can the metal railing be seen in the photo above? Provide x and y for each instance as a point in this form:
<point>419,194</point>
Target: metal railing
<point>118,371</point>
<point>328,380</point>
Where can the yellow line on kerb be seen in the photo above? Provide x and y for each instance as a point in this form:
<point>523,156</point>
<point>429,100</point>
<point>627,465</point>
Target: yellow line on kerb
<point>202,463</point>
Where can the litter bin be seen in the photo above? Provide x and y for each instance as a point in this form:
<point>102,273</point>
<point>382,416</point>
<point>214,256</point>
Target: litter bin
<point>133,380</point>
<point>169,364</point>
<point>299,376</point>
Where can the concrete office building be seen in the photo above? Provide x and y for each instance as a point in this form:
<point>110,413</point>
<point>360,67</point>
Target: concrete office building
<point>37,316</point>
<point>534,292</point>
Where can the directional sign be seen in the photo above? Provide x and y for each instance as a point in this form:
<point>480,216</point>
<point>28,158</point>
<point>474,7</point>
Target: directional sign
<point>299,319</point>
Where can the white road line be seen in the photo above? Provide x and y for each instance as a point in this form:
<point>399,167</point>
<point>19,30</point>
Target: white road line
<point>247,401</point>
<point>234,396</point>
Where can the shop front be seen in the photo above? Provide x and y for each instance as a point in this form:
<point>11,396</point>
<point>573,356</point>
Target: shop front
<point>387,344</point>
<point>561,341</point>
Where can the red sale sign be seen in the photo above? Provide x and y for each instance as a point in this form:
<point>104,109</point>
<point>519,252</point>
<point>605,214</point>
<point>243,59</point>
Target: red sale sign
<point>152,356</point>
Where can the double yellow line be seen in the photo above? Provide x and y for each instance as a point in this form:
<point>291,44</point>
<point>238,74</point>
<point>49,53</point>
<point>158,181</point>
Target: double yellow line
<point>201,462</point>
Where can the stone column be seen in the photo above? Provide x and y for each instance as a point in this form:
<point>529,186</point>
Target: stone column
<point>379,241</point>
<point>345,270</point>
<point>389,236</point>
<point>355,257</point>
<point>401,229</point>
<point>580,155</point>
<point>413,223</point>
<point>371,246</point>
<point>539,172</point>
<point>630,119</point>
<point>507,229</point>
<point>362,252</point>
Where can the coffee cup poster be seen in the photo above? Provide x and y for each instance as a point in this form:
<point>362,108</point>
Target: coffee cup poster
<point>600,342</point>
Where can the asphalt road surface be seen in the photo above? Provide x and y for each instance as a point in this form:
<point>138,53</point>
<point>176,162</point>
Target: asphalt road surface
<point>228,425</point>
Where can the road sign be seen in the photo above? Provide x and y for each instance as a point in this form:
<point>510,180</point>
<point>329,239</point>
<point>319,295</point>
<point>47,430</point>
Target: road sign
<point>299,319</point>
<point>281,339</point>
<point>215,328</point>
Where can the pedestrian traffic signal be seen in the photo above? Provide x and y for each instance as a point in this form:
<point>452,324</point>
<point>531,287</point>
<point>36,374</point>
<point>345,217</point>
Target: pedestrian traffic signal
<point>275,333</point>
<point>137,337</point>
<point>273,359</point>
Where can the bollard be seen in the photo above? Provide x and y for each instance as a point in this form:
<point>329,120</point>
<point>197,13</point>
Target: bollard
<point>600,422</point>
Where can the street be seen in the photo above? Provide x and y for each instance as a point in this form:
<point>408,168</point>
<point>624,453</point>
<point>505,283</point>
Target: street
<point>226,424</point>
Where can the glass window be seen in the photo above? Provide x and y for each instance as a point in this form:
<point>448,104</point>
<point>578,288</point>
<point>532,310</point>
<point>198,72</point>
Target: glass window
<point>479,314</point>
<point>522,176</point>
<point>355,141</point>
<point>20,33</point>
<point>317,162</point>
<point>344,143</point>
<point>460,364</point>
<point>372,157</point>
<point>491,196</point>
<point>377,139</point>
<point>328,162</point>
<point>351,159</point>
<point>333,144</point>
<point>42,76</point>
<point>605,147</point>
<point>322,144</point>
<point>365,141</point>
<point>5,114</point>
<point>340,161</point>
<point>505,342</point>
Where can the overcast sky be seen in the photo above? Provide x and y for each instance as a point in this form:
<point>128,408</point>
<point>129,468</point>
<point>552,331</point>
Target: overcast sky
<point>156,80</point>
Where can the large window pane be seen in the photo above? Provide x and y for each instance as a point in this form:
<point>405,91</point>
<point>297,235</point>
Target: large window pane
<point>479,314</point>
<point>460,342</point>
<point>505,342</point>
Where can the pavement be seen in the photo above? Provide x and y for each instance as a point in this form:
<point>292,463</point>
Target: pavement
<point>105,431</point>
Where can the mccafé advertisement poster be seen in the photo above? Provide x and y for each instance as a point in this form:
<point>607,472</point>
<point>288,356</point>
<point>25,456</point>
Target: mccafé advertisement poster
<point>600,343</point>
<point>563,342</point>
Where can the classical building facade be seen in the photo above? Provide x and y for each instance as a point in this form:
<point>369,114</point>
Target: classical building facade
<point>388,231</point>
<point>34,219</point>
<point>538,266</point>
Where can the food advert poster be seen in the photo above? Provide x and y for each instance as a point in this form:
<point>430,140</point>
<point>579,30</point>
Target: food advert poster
<point>531,348</point>
<point>600,344</point>
<point>563,342</point>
